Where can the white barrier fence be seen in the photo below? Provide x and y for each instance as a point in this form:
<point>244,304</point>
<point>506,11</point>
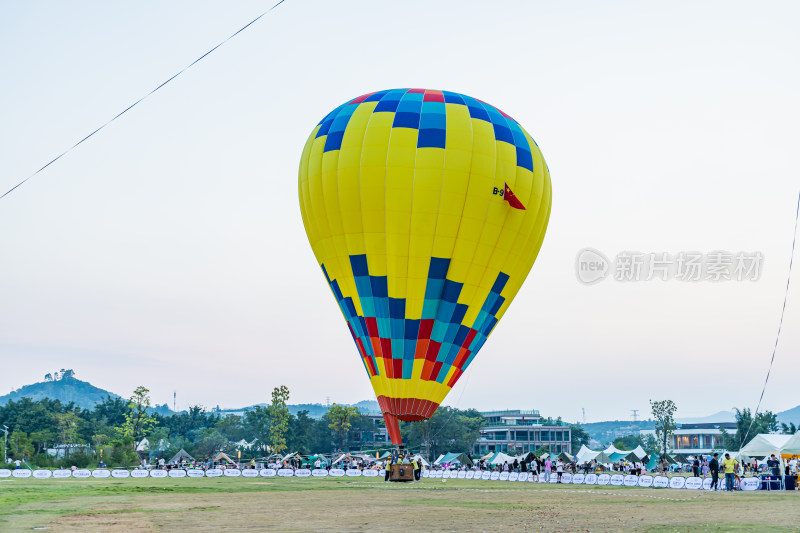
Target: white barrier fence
<point>645,481</point>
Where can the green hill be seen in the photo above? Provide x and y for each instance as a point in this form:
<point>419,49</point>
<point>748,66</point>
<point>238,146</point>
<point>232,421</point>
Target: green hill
<point>315,410</point>
<point>64,387</point>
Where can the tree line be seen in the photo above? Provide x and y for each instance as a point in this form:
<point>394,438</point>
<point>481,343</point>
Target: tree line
<point>747,427</point>
<point>115,428</point>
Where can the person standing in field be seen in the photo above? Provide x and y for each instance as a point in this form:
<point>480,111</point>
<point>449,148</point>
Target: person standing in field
<point>713,468</point>
<point>559,469</point>
<point>774,465</point>
<point>729,467</point>
<point>548,468</point>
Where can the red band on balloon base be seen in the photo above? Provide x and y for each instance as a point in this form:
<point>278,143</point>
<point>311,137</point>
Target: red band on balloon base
<point>407,409</point>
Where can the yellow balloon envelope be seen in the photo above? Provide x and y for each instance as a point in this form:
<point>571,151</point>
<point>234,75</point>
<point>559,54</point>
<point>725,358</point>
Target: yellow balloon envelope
<point>426,211</point>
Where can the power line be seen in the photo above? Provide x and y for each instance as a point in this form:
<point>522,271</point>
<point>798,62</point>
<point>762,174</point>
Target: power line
<point>184,69</point>
<point>780,324</point>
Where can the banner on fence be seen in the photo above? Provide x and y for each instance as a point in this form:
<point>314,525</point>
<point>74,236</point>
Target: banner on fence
<point>677,482</point>
<point>616,479</point>
<point>693,483</point>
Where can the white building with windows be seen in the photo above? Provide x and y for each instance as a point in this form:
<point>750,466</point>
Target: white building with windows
<point>690,439</point>
<point>522,431</point>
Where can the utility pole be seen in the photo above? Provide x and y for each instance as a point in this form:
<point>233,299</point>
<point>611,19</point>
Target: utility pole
<point>327,401</point>
<point>583,411</point>
<point>635,414</point>
<point>5,444</point>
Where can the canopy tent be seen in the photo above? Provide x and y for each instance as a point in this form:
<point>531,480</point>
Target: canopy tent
<point>603,459</point>
<point>564,456</point>
<point>792,446</point>
<point>526,457</point>
<point>354,457</point>
<point>501,458</point>
<point>654,461</point>
<point>680,458</point>
<point>632,457</point>
<point>585,454</point>
<point>640,453</point>
<point>385,455</point>
<point>739,456</point>
<point>181,456</point>
<point>611,450</point>
<point>765,444</point>
<point>341,458</point>
<point>422,461</point>
<point>451,458</point>
<point>311,459</point>
<point>617,456</point>
<point>289,456</point>
<point>222,456</point>
<point>652,464</point>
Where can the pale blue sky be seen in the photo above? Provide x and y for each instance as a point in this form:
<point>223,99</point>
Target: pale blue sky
<point>169,250</point>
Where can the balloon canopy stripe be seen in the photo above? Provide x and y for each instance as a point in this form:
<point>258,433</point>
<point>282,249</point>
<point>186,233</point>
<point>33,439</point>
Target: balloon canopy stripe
<point>438,336</point>
<point>402,197</point>
<point>425,111</point>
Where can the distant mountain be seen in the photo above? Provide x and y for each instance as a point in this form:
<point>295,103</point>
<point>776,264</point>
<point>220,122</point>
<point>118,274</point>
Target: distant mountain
<point>66,388</point>
<point>721,416</point>
<point>790,415</point>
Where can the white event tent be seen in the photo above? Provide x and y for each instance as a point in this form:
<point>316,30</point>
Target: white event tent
<point>765,444</point>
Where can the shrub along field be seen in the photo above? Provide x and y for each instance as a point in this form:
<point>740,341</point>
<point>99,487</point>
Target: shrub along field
<point>292,504</point>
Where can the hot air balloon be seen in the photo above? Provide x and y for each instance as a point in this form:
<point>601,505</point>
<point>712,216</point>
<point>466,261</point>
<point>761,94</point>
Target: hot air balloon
<point>426,210</point>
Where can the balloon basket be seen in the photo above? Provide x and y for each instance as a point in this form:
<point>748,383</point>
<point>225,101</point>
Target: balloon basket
<point>403,472</point>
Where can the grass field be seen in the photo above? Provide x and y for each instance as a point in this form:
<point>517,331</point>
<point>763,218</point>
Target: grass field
<point>346,504</point>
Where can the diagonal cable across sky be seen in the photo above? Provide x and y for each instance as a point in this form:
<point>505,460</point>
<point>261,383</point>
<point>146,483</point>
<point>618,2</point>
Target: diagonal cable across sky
<point>143,98</point>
